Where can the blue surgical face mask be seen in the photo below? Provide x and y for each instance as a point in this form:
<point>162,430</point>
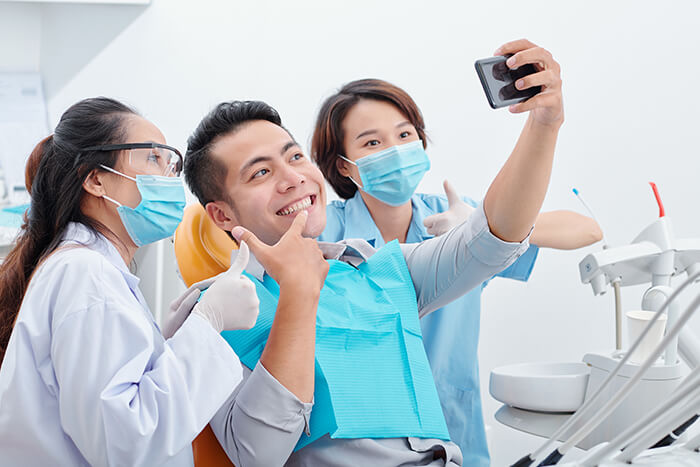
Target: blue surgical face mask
<point>159,212</point>
<point>393,174</point>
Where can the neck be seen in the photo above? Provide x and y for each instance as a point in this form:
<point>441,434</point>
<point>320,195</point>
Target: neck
<point>126,250</point>
<point>97,209</point>
<point>392,221</point>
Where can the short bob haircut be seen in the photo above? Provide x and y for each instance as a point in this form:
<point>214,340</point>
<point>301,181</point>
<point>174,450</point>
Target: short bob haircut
<point>327,140</point>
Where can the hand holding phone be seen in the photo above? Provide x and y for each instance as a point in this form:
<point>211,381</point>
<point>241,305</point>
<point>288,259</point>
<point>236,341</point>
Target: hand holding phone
<point>498,81</point>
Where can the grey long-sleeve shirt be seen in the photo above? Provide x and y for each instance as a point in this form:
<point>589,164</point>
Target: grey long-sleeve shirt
<point>262,421</point>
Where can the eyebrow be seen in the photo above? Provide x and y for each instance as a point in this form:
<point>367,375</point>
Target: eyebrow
<point>258,159</point>
<point>373,130</point>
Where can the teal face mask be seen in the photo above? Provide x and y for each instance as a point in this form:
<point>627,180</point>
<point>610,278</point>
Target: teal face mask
<point>393,174</point>
<point>159,212</point>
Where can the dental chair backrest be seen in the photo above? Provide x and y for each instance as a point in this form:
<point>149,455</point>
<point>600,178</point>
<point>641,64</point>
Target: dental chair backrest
<point>203,250</point>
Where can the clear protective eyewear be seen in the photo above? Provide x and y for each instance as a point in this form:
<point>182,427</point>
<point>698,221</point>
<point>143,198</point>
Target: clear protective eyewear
<point>148,158</point>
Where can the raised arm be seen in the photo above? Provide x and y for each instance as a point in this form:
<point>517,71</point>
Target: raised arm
<point>515,197</point>
<point>565,230</point>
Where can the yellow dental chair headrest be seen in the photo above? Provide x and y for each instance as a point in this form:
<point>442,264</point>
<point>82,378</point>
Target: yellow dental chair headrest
<point>202,249</point>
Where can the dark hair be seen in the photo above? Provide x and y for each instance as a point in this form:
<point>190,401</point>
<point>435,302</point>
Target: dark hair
<point>206,175</point>
<point>54,175</point>
<point>327,140</point>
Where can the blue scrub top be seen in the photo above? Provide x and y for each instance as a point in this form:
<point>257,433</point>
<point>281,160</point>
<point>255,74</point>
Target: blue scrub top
<point>450,334</point>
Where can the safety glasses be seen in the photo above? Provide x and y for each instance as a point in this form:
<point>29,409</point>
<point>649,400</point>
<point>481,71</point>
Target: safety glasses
<point>148,158</point>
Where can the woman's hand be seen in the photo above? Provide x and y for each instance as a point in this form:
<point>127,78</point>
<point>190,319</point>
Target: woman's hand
<point>457,212</point>
<point>547,106</point>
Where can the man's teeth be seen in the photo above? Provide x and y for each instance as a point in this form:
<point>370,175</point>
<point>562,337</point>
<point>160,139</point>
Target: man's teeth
<point>303,204</point>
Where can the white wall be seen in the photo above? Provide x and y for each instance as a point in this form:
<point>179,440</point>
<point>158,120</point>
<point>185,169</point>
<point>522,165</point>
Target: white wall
<point>630,73</point>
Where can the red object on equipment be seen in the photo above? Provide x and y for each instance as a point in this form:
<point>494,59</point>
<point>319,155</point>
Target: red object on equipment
<point>662,213</point>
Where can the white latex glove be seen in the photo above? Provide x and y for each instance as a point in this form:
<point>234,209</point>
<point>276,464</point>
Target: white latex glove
<point>181,308</point>
<point>231,302</point>
<point>457,212</point>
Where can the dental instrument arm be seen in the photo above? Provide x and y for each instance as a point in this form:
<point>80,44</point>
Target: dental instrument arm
<point>664,424</point>
<point>515,196</point>
<point>620,395</point>
<point>528,459</point>
<point>621,440</point>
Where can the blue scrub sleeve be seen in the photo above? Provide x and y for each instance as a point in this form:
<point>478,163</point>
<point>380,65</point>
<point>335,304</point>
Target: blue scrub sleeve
<point>521,269</point>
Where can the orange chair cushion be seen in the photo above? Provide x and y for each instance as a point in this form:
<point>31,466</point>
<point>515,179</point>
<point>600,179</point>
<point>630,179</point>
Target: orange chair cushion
<point>202,249</point>
<point>208,452</point>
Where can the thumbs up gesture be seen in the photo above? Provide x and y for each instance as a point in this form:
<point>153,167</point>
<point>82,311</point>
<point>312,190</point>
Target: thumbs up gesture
<point>457,212</point>
<point>231,302</point>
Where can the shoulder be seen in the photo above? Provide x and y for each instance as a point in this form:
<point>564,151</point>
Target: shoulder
<point>335,221</point>
<point>74,259</point>
<point>73,279</point>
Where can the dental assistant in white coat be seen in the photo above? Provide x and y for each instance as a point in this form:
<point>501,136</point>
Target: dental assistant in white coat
<point>86,376</point>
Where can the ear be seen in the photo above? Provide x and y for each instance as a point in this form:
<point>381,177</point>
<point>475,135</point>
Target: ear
<point>342,166</point>
<point>94,183</point>
<point>222,215</point>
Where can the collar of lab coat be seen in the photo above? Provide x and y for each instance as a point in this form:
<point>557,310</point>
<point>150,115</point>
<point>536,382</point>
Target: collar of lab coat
<point>77,233</point>
<point>353,251</point>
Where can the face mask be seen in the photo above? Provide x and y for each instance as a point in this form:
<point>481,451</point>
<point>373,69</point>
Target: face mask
<point>159,212</point>
<point>393,174</point>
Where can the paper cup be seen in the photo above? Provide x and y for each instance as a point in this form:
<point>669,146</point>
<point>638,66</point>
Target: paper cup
<point>636,322</point>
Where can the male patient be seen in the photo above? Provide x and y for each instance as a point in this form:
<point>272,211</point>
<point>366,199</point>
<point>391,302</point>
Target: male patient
<point>348,352</point>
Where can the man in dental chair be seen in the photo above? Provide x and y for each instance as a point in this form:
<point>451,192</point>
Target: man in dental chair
<point>334,370</point>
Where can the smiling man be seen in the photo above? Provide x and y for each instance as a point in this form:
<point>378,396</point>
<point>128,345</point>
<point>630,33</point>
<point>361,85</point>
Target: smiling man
<point>334,370</point>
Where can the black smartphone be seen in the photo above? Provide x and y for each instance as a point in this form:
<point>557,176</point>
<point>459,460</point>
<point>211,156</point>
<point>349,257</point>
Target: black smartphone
<point>498,81</point>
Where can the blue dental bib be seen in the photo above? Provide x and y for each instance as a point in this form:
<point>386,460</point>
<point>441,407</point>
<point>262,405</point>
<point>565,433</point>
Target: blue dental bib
<point>372,374</point>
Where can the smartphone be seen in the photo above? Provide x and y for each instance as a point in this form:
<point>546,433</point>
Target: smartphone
<point>498,81</point>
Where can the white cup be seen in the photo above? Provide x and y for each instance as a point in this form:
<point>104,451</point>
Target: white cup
<point>636,322</point>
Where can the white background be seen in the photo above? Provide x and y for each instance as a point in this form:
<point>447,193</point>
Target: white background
<point>631,72</point>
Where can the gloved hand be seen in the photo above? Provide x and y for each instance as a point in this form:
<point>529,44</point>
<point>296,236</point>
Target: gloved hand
<point>456,214</point>
<point>231,302</point>
<point>181,308</point>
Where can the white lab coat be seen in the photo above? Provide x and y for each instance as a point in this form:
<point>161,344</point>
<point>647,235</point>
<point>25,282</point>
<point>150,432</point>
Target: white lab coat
<point>88,379</point>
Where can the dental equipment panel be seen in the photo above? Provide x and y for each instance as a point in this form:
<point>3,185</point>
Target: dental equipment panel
<point>620,388</point>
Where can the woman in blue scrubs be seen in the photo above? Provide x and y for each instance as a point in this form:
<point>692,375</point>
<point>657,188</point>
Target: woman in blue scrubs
<point>377,119</point>
<point>86,376</point>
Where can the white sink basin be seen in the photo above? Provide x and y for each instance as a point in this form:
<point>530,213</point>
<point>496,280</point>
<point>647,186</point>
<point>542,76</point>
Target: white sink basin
<point>544,387</point>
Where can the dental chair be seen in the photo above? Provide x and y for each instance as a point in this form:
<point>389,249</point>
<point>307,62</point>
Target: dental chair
<point>203,250</point>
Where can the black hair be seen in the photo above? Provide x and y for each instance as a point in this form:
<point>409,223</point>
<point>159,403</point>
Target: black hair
<point>54,175</point>
<point>206,175</point>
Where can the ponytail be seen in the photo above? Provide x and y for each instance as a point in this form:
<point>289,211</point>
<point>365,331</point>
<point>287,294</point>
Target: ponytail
<point>54,175</point>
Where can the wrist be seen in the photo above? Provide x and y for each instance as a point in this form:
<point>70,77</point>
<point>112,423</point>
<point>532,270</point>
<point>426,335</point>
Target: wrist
<point>552,125</point>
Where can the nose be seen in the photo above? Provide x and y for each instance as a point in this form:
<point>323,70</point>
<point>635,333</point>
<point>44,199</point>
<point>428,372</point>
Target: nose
<point>289,178</point>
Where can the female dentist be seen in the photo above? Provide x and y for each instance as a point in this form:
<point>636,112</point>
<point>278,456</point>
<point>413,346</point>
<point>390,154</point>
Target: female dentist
<point>86,377</point>
<point>370,135</point>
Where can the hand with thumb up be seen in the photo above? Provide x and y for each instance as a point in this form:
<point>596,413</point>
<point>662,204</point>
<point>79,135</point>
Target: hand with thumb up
<point>456,214</point>
<point>231,302</point>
